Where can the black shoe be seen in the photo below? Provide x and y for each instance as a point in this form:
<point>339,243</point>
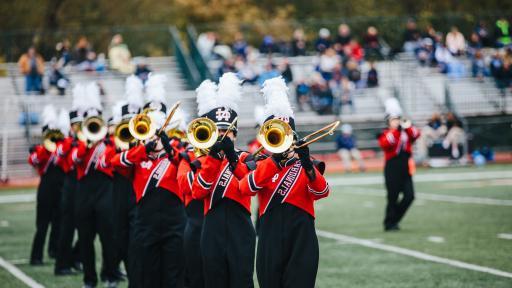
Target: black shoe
<point>36,262</point>
<point>64,272</point>
<point>52,254</point>
<point>77,266</point>
<point>119,275</point>
<point>393,227</point>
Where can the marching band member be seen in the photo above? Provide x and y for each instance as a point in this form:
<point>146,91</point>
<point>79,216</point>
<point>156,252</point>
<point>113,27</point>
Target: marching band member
<point>67,256</point>
<point>287,184</point>
<point>94,196</point>
<point>228,237</point>
<point>43,158</point>
<point>396,142</point>
<point>160,213</point>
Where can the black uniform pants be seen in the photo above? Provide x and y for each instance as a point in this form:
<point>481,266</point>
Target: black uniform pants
<point>66,254</point>
<point>288,250</point>
<point>227,245</point>
<point>47,212</point>
<point>398,179</point>
<point>93,211</point>
<point>161,222</point>
<point>193,262</point>
<point>123,202</point>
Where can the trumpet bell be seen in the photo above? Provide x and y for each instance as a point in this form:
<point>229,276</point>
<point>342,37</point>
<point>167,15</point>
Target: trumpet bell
<point>141,127</point>
<point>50,139</point>
<point>94,129</point>
<point>275,135</point>
<point>202,133</point>
<point>122,136</point>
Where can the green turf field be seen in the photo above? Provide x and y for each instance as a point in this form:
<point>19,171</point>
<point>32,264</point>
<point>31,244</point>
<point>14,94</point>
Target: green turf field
<point>440,223</point>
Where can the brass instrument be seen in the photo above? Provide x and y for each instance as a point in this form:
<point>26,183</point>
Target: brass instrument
<point>142,127</point>
<point>405,123</point>
<point>276,136</point>
<point>50,138</point>
<point>94,129</point>
<point>202,133</point>
<point>122,136</point>
<point>176,133</point>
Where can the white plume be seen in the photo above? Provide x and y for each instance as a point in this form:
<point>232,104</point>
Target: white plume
<point>157,118</point>
<point>50,117</point>
<point>134,91</point>
<point>230,91</point>
<point>79,98</point>
<point>155,88</point>
<point>179,120</point>
<point>206,95</point>
<point>259,114</point>
<point>117,112</point>
<point>275,93</point>
<point>92,91</point>
<point>392,107</point>
<point>63,121</point>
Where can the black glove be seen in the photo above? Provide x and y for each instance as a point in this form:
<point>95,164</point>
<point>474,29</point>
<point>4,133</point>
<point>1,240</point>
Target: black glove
<point>107,141</point>
<point>215,150</point>
<point>194,165</point>
<point>132,144</point>
<point>304,157</point>
<point>150,146</point>
<point>278,157</point>
<point>229,149</point>
<point>32,149</point>
<point>74,143</point>
<point>166,143</point>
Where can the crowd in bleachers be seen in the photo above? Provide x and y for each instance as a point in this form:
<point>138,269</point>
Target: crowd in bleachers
<point>489,50</point>
<point>342,64</point>
<point>80,58</point>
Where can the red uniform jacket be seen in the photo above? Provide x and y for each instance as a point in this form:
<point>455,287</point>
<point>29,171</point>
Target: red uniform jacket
<point>393,141</point>
<point>87,159</point>
<point>41,159</point>
<point>105,166</point>
<point>186,176</point>
<point>63,149</point>
<point>148,173</point>
<point>215,180</point>
<point>288,183</point>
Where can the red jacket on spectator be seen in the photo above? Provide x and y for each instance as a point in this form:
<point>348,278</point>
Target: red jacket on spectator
<point>290,180</point>
<point>393,141</point>
<point>144,169</point>
<point>84,159</point>
<point>41,159</point>
<point>216,177</point>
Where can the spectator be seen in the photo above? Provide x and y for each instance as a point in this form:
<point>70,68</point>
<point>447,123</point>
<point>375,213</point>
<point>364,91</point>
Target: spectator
<point>31,64</point>
<point>240,45</point>
<point>443,57</point>
<point>228,65</point>
<point>372,79</point>
<point>347,149</point>
<point>299,43</point>
<point>455,42</point>
<point>89,64</point>
<point>269,73</point>
<point>478,67</point>
<point>346,95</point>
<point>286,71</point>
<point>302,93</point>
<point>141,69</point>
<point>82,48</point>
<point>483,33</point>
<point>324,40</point>
<point>425,52</point>
<point>354,51</point>
<point>268,46</point>
<point>371,43</point>
<point>205,43</point>
<point>474,44</point>
<point>246,70</point>
<point>321,95</point>
<point>63,54</point>
<point>327,62</point>
<point>120,56</point>
<point>57,78</point>
<point>502,32</point>
<point>431,134</point>
<point>343,38</point>
<point>455,138</point>
<point>498,71</point>
<point>411,36</point>
<point>352,71</point>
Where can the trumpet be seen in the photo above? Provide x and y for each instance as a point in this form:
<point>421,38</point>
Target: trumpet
<point>94,129</point>
<point>202,133</point>
<point>50,138</point>
<point>122,136</point>
<point>142,127</point>
<point>276,136</point>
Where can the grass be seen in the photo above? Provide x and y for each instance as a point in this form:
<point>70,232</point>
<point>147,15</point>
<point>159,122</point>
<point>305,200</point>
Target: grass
<point>469,232</point>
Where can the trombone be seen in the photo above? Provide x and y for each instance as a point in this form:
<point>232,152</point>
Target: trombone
<point>276,136</point>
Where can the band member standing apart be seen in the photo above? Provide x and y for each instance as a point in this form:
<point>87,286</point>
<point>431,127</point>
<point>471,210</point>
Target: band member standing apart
<point>396,142</point>
<point>93,203</point>
<point>43,158</point>
<point>123,194</point>
<point>287,184</point>
<point>67,256</point>
<point>228,237</point>
<point>160,213</point>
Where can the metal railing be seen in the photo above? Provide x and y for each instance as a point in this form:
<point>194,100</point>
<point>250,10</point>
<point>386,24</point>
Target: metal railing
<point>187,66</point>
<point>196,56</point>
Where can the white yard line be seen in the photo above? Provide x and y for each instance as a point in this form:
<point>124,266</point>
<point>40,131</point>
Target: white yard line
<point>19,274</point>
<point>428,177</point>
<point>20,198</point>
<point>412,253</point>
<point>432,197</point>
